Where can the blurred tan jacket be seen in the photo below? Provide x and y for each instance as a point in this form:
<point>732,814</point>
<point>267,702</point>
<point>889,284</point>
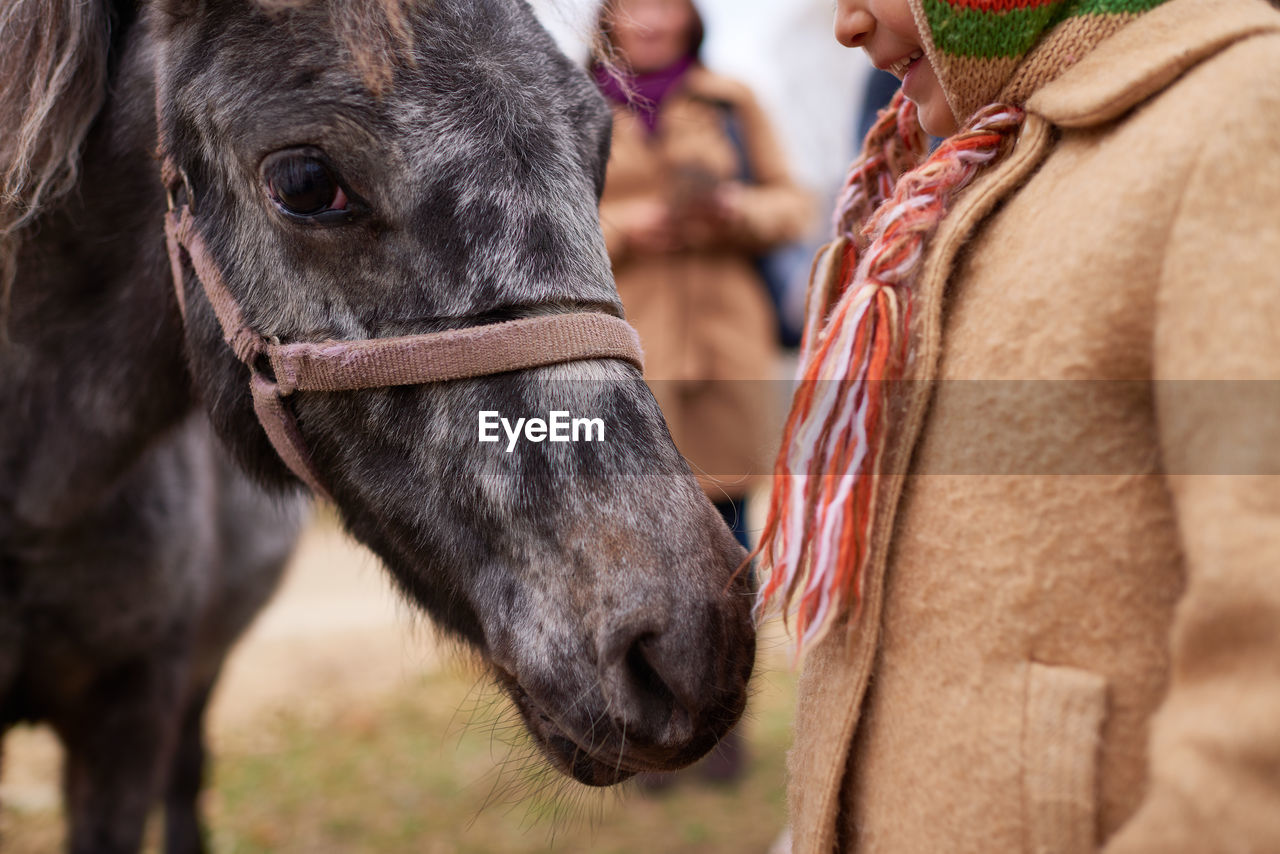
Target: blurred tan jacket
<point>1070,640</point>
<point>703,314</point>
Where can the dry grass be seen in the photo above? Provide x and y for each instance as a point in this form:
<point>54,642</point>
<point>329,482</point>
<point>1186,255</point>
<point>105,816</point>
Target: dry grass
<point>340,727</point>
<point>431,768</point>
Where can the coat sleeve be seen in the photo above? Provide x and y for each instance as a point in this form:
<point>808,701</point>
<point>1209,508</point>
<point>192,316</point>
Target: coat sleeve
<point>775,209</point>
<point>620,212</point>
<point>1214,752</point>
<point>617,220</point>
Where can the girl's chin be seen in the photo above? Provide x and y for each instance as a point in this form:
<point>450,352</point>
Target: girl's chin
<point>936,117</point>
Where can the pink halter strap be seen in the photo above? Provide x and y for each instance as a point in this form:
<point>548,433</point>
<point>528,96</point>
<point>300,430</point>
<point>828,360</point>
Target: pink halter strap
<point>329,366</point>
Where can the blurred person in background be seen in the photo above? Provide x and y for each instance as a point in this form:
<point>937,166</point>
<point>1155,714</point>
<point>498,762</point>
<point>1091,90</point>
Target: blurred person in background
<point>697,191</point>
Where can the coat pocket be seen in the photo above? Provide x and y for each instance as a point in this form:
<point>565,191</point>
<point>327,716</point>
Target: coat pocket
<point>1065,708</point>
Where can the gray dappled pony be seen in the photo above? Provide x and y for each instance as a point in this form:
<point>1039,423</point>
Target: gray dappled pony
<point>359,169</point>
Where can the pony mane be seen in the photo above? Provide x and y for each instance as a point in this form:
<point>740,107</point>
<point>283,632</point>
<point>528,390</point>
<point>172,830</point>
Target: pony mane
<point>602,55</point>
<point>53,82</point>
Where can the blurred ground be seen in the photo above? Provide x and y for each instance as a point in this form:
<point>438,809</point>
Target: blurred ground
<point>342,725</point>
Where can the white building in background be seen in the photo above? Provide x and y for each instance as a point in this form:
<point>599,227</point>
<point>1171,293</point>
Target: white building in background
<point>784,49</point>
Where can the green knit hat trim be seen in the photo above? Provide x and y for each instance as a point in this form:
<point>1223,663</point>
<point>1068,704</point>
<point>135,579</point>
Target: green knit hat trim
<point>989,33</point>
<point>976,45</point>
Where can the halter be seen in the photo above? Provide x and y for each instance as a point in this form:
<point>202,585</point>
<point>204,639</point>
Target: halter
<point>337,365</point>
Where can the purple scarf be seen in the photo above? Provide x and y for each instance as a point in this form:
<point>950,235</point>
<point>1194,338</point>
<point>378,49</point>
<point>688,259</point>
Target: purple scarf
<point>643,93</point>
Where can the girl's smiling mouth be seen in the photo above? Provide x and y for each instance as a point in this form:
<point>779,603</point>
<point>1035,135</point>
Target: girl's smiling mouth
<point>900,68</point>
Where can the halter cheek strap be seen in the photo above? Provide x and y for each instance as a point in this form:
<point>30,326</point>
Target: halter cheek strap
<point>330,366</point>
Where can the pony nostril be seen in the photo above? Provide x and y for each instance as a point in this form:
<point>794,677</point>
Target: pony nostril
<point>642,687</point>
<point>644,677</point>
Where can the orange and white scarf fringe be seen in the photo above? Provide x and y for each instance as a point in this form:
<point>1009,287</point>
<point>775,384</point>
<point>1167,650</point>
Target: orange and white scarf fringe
<point>816,543</point>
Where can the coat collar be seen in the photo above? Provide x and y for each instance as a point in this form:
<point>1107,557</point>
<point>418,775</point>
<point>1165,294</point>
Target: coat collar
<point>1146,56</point>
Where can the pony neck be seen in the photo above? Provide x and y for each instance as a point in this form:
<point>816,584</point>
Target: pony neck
<point>95,368</point>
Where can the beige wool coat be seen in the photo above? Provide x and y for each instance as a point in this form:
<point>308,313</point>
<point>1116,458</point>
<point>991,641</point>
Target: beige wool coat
<point>1070,640</point>
<point>703,314</point>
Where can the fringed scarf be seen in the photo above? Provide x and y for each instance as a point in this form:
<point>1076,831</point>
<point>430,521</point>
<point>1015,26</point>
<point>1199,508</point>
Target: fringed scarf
<point>816,542</point>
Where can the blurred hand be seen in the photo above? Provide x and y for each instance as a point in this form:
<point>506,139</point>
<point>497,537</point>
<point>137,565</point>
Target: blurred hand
<point>716,219</point>
<point>651,228</point>
<point>728,207</point>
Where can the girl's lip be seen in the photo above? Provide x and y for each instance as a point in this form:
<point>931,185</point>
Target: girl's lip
<point>910,73</point>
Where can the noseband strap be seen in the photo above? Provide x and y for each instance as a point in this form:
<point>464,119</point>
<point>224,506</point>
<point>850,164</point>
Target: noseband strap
<point>330,366</point>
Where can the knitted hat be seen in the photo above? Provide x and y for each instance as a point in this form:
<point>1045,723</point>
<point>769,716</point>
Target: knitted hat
<point>977,47</point>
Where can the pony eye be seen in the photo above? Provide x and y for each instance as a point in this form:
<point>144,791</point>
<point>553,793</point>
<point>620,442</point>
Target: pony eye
<point>303,185</point>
